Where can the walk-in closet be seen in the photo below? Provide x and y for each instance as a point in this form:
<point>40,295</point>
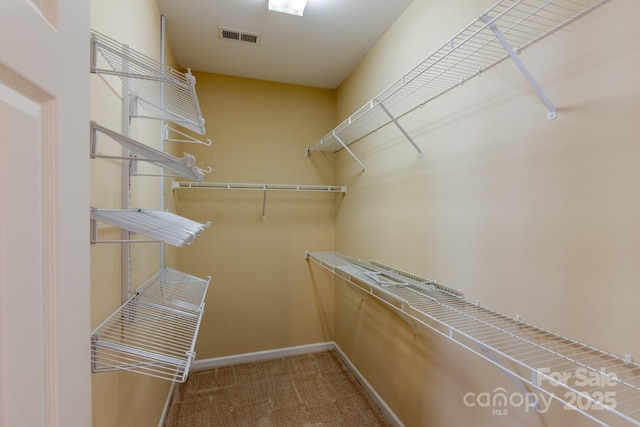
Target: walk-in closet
<point>319,213</point>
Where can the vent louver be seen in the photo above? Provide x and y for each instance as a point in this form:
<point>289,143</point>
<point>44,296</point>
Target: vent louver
<point>239,35</point>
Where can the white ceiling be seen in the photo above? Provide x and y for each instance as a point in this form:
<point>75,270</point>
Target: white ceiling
<point>318,49</point>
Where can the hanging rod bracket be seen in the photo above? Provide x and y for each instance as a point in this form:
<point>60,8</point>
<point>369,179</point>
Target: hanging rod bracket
<point>551,109</point>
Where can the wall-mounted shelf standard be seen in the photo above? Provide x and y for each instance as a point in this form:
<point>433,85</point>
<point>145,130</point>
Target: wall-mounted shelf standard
<point>154,332</point>
<point>503,30</point>
<point>159,225</point>
<point>603,387</point>
<point>261,187</point>
<point>161,90</point>
<point>140,152</point>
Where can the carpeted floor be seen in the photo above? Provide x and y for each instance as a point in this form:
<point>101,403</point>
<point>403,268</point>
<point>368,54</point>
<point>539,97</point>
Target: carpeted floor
<point>313,390</point>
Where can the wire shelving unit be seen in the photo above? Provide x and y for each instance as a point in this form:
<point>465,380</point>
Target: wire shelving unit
<point>602,386</point>
<point>162,226</point>
<point>501,32</point>
<point>154,332</point>
<point>184,167</point>
<point>159,89</point>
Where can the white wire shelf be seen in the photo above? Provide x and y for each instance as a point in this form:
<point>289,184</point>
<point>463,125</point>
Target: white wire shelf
<point>260,187</point>
<point>161,90</point>
<point>155,331</point>
<point>603,387</point>
<point>184,167</point>
<point>157,224</point>
<point>506,28</point>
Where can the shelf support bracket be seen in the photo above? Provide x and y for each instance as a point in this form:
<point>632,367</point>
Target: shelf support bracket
<point>533,401</point>
<point>395,122</point>
<point>264,203</point>
<point>335,135</point>
<point>551,109</point>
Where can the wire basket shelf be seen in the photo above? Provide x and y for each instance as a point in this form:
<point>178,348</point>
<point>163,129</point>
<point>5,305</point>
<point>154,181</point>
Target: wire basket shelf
<point>161,90</point>
<point>602,386</point>
<point>155,331</point>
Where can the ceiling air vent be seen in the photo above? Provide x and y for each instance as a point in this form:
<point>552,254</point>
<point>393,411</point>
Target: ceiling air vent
<point>239,35</point>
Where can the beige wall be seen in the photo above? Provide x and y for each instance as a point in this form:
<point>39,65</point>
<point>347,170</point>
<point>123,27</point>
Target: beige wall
<point>120,398</point>
<point>529,216</point>
<point>261,296</point>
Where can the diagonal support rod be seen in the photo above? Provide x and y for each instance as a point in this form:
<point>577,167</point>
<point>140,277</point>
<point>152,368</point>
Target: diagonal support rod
<point>551,109</point>
<point>335,135</point>
<point>395,121</point>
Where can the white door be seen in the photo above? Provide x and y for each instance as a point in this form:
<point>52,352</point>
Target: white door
<point>44,207</point>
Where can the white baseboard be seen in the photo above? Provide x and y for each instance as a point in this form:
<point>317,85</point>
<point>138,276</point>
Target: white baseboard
<point>257,356</point>
<point>167,403</point>
<point>388,414</point>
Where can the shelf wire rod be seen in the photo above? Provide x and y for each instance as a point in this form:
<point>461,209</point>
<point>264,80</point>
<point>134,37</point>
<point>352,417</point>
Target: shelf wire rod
<point>635,400</point>
<point>603,359</point>
<point>516,337</point>
<point>156,369</point>
<point>529,355</point>
<point>561,337</point>
<point>528,337</point>
<point>558,354</point>
<point>155,323</point>
<point>637,410</point>
<point>489,335</point>
<point>157,334</point>
<point>628,380</point>
<point>502,343</point>
<point>629,401</point>
<point>594,356</point>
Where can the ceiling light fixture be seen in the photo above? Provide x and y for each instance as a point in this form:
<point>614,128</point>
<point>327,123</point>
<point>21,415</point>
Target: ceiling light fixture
<point>292,7</point>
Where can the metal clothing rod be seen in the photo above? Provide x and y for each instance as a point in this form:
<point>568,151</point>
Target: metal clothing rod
<point>551,109</point>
